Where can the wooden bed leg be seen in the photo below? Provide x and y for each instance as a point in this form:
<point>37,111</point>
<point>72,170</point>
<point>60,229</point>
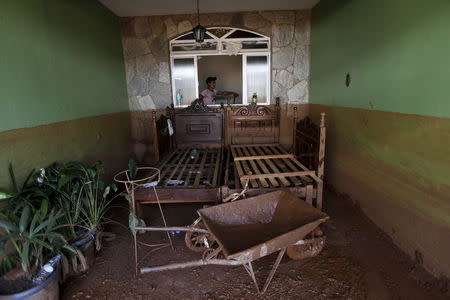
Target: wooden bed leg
<point>228,126</point>
<point>321,165</point>
<point>309,193</point>
<point>155,137</point>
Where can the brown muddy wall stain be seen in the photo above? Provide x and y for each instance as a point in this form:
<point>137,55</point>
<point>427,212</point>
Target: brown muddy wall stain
<point>396,167</point>
<point>103,137</point>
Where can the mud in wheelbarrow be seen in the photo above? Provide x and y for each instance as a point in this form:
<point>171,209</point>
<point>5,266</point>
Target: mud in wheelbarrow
<point>249,229</point>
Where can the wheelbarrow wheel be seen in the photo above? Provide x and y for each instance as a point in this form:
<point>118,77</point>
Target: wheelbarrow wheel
<point>196,241</point>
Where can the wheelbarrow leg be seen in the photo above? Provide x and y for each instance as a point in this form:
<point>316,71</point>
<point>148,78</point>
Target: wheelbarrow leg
<point>249,268</point>
<point>274,269</point>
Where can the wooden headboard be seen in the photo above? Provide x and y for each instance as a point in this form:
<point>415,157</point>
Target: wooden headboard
<point>253,124</point>
<point>198,125</point>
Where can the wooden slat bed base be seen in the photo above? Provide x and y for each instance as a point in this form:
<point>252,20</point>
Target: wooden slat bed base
<point>271,166</point>
<point>203,171</point>
<point>177,195</point>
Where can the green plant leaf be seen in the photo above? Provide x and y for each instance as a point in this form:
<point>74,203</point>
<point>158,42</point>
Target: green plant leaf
<point>43,244</point>
<point>13,178</point>
<point>70,248</point>
<point>132,168</point>
<point>44,207</point>
<point>106,191</point>
<point>24,218</point>
<point>4,194</point>
<point>133,221</point>
<point>25,257</point>
<point>6,224</point>
<point>25,183</point>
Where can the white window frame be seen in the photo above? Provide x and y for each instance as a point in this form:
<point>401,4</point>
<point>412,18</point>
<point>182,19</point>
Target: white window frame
<point>174,91</point>
<point>220,51</point>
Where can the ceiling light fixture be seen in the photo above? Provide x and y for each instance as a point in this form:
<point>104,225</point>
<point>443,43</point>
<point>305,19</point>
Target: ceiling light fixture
<point>199,31</point>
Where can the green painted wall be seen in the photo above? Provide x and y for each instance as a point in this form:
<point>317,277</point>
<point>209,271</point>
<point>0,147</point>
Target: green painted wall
<point>388,133</point>
<point>395,51</point>
<point>59,60</point>
<point>62,86</point>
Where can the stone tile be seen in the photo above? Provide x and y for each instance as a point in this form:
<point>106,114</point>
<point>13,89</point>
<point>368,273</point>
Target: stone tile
<point>164,72</point>
<point>145,63</point>
<point>282,58</point>
<point>138,86</point>
<point>303,31</point>
<point>284,78</point>
<point>159,47</point>
<point>279,91</point>
<point>280,17</point>
<point>142,27</point>
<point>161,94</point>
<point>130,69</point>
<point>171,28</point>
<point>299,93</point>
<point>301,62</point>
<point>134,47</point>
<point>255,21</point>
<point>157,25</point>
<point>282,34</point>
<point>184,26</point>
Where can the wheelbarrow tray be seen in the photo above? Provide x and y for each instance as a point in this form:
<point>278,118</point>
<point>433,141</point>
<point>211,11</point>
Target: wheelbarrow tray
<point>251,228</point>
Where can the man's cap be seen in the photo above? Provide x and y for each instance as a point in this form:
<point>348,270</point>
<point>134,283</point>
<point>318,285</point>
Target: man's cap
<point>209,79</point>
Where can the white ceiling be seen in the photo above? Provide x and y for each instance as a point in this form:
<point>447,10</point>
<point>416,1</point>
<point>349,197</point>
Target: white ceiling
<point>129,8</point>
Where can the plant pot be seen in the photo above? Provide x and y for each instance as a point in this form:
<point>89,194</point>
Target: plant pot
<point>47,290</point>
<point>86,245</point>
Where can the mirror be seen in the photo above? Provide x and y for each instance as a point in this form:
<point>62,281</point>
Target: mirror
<point>238,58</point>
<point>228,70</point>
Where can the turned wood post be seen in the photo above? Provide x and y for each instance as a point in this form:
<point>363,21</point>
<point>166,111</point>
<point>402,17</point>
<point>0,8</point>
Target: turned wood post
<point>278,123</point>
<point>321,165</point>
<point>229,127</point>
<point>155,137</point>
<point>294,132</point>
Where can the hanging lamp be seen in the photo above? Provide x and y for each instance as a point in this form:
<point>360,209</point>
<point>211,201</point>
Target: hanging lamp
<point>199,31</point>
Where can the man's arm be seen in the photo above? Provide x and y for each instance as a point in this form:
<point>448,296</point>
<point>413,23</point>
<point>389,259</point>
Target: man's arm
<point>226,93</point>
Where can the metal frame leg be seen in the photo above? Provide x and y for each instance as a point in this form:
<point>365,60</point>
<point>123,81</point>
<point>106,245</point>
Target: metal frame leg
<point>274,269</point>
<point>249,268</point>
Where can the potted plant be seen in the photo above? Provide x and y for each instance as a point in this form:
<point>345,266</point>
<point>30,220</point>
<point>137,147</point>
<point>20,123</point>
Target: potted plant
<point>32,247</point>
<point>82,195</point>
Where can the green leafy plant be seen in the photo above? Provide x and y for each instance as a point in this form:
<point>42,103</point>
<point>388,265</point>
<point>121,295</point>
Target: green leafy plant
<point>33,234</point>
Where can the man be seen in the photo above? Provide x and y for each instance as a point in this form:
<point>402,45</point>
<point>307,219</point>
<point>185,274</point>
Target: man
<point>209,95</point>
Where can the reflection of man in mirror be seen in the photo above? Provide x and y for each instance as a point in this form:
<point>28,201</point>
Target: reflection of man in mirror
<point>209,95</point>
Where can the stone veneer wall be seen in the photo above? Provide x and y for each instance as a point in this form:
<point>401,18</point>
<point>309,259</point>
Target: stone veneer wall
<point>146,51</point>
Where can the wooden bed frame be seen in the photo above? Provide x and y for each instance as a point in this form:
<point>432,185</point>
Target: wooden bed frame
<point>253,141</point>
<point>191,161</point>
<point>233,142</point>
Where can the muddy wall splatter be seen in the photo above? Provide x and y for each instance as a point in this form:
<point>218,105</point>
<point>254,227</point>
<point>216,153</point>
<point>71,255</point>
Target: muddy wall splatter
<point>60,60</point>
<point>105,138</point>
<point>395,164</point>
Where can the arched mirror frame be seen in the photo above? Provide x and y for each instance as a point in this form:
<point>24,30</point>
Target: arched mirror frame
<point>232,42</point>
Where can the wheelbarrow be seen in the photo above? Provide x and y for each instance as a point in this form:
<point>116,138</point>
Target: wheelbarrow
<point>249,229</point>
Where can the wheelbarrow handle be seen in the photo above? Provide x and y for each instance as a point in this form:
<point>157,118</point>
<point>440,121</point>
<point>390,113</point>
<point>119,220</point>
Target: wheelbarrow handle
<point>191,264</point>
<point>191,229</point>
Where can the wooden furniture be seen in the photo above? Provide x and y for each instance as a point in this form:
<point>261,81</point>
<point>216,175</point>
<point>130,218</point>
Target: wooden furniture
<point>207,161</point>
<point>253,139</point>
<point>191,168</point>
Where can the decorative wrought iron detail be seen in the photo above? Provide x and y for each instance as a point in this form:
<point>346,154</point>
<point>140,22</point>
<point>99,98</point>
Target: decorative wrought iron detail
<point>198,106</point>
<point>254,110</point>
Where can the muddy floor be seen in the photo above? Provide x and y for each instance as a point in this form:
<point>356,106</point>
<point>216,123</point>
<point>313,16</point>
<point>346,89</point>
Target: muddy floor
<point>358,262</point>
